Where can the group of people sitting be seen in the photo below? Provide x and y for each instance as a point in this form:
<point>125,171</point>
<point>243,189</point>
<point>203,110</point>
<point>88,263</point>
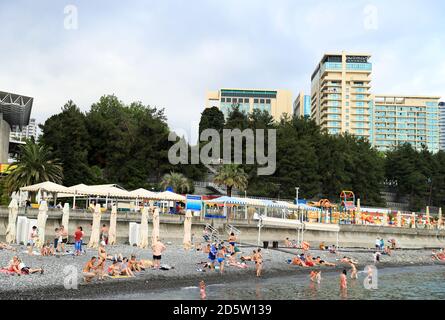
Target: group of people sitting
<point>17,266</point>
<point>5,246</point>
<point>120,265</point>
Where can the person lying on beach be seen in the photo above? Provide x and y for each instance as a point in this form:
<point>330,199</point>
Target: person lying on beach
<point>116,257</point>
<point>13,265</point>
<point>348,260</point>
<point>5,246</point>
<point>309,261</point>
<point>248,258</point>
<point>296,261</point>
<point>387,251</point>
<point>146,263</point>
<point>438,255</point>
<point>124,269</point>
<point>319,261</point>
<point>89,270</point>
<point>27,270</point>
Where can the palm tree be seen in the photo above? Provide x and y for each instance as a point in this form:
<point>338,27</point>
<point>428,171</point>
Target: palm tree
<point>35,165</point>
<point>231,176</point>
<point>177,181</point>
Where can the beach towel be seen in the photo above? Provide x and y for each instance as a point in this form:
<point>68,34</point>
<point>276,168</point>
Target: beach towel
<point>120,277</point>
<point>6,271</point>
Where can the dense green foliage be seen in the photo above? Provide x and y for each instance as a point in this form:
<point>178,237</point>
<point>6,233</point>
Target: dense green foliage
<point>113,143</point>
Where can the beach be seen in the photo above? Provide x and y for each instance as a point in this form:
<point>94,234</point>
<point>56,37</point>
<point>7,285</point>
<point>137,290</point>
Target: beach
<point>50,284</point>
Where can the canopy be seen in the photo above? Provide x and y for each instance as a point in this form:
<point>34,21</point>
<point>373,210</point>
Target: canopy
<point>45,186</point>
<point>143,194</point>
<point>169,196</point>
<point>104,190</point>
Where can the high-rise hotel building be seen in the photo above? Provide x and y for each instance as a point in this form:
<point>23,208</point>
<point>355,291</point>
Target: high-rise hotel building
<point>442,125</point>
<point>340,94</point>
<point>302,105</point>
<point>406,119</point>
<point>276,102</point>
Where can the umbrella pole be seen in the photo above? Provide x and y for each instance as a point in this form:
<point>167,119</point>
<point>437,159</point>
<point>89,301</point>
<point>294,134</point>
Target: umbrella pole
<point>74,202</point>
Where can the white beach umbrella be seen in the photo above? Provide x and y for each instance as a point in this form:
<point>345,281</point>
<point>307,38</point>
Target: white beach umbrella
<point>413,219</point>
<point>95,231</point>
<point>188,230</point>
<point>439,221</point>
<point>11,229</point>
<point>155,231</point>
<point>112,230</point>
<point>66,216</point>
<point>399,219</point>
<point>385,219</point>
<point>143,231</point>
<point>41,222</point>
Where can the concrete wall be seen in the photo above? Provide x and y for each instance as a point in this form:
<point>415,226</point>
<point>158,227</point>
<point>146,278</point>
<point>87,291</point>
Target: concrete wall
<point>171,229</point>
<point>5,130</point>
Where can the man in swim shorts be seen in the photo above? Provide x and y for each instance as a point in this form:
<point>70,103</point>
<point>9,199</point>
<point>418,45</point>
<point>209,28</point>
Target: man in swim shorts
<point>157,248</point>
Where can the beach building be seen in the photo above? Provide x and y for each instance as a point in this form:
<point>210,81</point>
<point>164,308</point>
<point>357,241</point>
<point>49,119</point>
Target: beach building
<point>21,134</point>
<point>406,119</point>
<point>276,102</point>
<point>442,125</point>
<point>302,105</point>
<point>340,93</point>
<point>15,110</point>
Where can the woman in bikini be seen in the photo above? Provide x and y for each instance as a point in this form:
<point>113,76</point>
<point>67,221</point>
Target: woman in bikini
<point>221,257</point>
<point>232,242</point>
<point>14,265</point>
<point>258,258</point>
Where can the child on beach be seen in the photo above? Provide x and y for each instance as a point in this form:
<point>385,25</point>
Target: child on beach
<point>316,276</point>
<point>353,271</point>
<point>202,289</point>
<point>343,280</point>
<point>221,257</point>
<point>258,258</point>
<point>63,238</point>
<point>78,236</point>
<point>212,255</point>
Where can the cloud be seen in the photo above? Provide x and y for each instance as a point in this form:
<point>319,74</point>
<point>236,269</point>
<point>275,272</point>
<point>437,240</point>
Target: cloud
<point>169,53</point>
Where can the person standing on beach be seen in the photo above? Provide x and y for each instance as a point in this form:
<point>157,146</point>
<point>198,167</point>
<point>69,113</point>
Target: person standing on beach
<point>158,247</point>
<point>78,235</point>
<point>221,257</point>
<point>353,271</point>
<point>258,258</point>
<point>64,235</point>
<point>33,236</point>
<point>212,255</point>
<point>232,242</point>
<point>202,289</point>
<point>104,234</point>
<point>343,281</point>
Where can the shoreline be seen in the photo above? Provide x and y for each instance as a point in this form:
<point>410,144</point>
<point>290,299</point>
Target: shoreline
<point>185,274</point>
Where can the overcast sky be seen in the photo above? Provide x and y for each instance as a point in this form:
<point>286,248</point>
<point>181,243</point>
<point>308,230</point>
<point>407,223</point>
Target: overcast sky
<point>168,53</point>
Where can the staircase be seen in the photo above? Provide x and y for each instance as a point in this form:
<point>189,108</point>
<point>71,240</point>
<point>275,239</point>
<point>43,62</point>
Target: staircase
<point>213,233</point>
<point>230,229</point>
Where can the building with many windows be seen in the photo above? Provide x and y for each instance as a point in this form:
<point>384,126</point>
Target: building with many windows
<point>276,102</point>
<point>340,94</point>
<point>442,125</point>
<point>27,132</point>
<point>302,105</point>
<point>406,119</point>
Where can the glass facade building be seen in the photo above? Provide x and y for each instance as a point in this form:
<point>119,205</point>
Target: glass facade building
<point>404,119</point>
<point>442,126</point>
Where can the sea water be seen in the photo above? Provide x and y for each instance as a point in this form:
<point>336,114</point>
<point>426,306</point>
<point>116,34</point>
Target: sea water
<point>419,282</point>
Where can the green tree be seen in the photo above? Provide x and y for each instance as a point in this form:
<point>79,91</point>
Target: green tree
<point>67,137</point>
<point>35,165</point>
<point>211,118</point>
<point>231,176</point>
<point>177,181</point>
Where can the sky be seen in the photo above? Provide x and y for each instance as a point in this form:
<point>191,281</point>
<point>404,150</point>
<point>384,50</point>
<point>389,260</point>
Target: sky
<point>168,53</point>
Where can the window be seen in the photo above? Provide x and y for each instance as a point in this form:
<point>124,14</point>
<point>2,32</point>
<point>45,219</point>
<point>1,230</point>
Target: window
<point>255,100</point>
<point>246,100</point>
<point>229,100</point>
<point>268,101</point>
<point>261,100</point>
<point>223,99</point>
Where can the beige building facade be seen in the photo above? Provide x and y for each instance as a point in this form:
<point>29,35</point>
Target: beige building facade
<point>276,102</point>
<point>340,93</point>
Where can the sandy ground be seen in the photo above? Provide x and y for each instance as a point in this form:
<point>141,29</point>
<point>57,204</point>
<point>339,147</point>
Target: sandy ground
<point>50,285</point>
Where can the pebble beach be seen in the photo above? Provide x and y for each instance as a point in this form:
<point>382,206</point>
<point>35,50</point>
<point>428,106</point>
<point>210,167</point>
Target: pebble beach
<point>50,284</point>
